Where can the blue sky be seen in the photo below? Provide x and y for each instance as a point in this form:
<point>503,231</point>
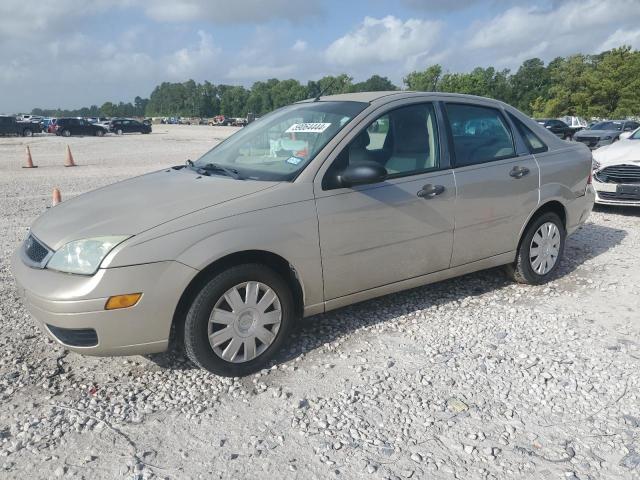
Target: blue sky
<point>72,53</point>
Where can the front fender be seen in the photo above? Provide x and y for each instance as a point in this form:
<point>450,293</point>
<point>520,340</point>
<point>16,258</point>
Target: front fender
<point>290,231</point>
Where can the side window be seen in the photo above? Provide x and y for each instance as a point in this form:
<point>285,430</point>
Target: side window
<point>480,134</point>
<point>533,142</point>
<point>404,141</point>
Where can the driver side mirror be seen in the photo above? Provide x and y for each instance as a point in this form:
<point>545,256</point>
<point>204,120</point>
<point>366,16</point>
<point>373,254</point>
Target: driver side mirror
<point>362,173</point>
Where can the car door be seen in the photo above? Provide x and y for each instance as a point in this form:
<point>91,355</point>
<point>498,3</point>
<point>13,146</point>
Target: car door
<point>497,181</point>
<point>396,229</point>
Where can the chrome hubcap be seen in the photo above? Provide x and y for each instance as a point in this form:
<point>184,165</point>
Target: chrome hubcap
<point>545,247</point>
<point>244,322</point>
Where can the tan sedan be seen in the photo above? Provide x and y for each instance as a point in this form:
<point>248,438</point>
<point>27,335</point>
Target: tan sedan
<point>315,206</point>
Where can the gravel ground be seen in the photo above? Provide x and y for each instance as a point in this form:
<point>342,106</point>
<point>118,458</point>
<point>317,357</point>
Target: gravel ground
<point>474,377</point>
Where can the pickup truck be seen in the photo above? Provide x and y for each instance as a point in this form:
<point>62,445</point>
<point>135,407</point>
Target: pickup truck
<point>11,126</point>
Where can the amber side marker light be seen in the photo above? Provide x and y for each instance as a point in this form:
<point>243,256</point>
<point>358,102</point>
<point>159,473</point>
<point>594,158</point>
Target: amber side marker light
<point>122,301</point>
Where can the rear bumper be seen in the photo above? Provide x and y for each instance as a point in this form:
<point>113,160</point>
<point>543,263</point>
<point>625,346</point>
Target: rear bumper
<point>69,307</point>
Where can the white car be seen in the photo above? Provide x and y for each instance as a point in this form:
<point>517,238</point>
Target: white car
<point>616,172</point>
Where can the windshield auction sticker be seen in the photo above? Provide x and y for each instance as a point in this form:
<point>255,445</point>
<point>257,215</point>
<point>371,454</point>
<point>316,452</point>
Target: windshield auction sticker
<point>308,128</point>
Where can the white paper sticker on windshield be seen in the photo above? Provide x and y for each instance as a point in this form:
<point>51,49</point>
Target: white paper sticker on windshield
<point>308,128</point>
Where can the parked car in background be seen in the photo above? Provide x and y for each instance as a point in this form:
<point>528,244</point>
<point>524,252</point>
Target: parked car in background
<point>9,125</point>
<point>627,134</point>
<point>306,211</point>
<point>51,127</point>
<point>576,123</point>
<point>557,127</point>
<point>78,126</point>
<point>616,172</point>
<point>48,124</point>
<point>605,133</point>
<point>128,125</point>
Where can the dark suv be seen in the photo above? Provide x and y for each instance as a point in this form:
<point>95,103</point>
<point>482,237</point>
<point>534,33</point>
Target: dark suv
<point>128,125</point>
<point>557,127</point>
<point>78,126</point>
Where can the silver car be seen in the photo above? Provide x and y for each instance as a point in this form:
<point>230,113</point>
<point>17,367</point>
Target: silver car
<point>315,206</point>
<point>605,133</point>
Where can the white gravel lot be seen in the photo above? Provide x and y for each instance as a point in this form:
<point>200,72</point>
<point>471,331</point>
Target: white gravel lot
<point>474,377</point>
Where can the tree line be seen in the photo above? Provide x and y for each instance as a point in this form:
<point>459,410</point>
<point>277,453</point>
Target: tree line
<point>603,85</point>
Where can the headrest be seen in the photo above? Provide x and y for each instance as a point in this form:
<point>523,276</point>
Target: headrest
<point>411,134</point>
<point>361,141</point>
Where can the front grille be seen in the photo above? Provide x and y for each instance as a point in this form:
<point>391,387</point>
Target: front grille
<point>35,252</point>
<point>619,196</point>
<point>619,174</point>
<point>75,337</point>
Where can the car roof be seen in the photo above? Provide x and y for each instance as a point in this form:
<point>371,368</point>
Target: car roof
<point>370,97</point>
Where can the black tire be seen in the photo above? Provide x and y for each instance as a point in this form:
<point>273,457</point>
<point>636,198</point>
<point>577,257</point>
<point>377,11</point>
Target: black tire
<point>99,133</point>
<point>66,133</point>
<point>27,133</point>
<point>522,271</point>
<point>119,131</point>
<point>196,326</point>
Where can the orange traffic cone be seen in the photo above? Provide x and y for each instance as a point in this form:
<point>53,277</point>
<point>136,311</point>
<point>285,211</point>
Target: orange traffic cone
<point>69,160</point>
<point>29,159</point>
<point>56,197</point>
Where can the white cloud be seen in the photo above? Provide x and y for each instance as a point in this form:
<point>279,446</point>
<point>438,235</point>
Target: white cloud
<point>223,11</point>
<point>620,37</point>
<point>187,62</point>
<point>299,46</point>
<point>384,40</point>
<point>572,25</point>
<point>260,72</point>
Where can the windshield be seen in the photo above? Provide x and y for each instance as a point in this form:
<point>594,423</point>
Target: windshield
<point>636,135</point>
<point>607,126</point>
<point>280,145</point>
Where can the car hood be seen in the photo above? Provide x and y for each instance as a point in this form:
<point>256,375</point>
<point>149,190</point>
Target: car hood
<point>623,151</point>
<point>597,133</point>
<point>138,204</point>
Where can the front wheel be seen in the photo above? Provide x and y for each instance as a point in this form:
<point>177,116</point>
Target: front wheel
<point>540,250</point>
<point>239,320</point>
<point>119,131</point>
<point>27,133</point>
<point>99,133</point>
<point>66,133</point>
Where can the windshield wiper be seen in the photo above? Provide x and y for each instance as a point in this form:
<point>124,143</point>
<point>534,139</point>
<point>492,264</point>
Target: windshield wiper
<point>231,172</point>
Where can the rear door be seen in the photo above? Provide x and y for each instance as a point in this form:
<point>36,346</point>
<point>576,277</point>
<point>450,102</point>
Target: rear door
<point>497,182</point>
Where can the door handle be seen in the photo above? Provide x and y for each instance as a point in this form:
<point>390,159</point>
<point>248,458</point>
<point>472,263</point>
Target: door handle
<point>430,191</point>
<point>519,172</point>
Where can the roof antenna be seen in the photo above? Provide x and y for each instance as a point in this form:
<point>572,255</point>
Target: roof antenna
<point>325,89</point>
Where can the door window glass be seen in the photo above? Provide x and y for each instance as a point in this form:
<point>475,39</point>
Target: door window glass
<point>404,141</point>
<point>480,134</point>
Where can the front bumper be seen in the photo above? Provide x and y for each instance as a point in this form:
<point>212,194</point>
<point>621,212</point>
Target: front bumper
<point>607,194</point>
<point>593,143</point>
<point>69,307</point>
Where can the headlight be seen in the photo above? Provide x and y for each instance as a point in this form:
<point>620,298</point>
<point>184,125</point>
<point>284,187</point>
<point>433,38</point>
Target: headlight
<point>84,256</point>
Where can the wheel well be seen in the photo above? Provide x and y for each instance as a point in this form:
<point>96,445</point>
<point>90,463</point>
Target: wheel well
<point>550,207</point>
<point>278,263</point>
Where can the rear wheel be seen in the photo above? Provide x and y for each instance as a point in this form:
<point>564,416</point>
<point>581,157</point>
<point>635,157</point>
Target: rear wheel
<point>540,250</point>
<point>119,131</point>
<point>99,133</point>
<point>66,133</point>
<point>27,133</point>
<point>239,320</point>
